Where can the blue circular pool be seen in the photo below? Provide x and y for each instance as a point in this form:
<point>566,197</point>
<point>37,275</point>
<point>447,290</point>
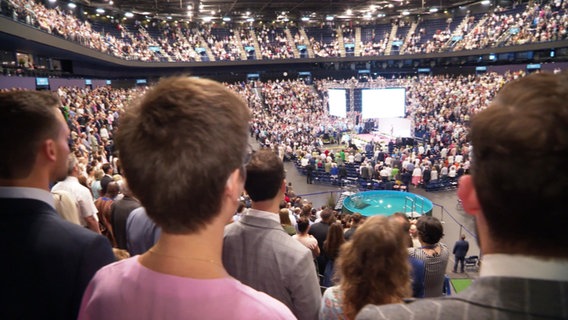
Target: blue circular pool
<point>383,202</point>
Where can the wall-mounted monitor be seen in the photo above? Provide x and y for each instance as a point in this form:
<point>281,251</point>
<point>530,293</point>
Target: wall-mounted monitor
<point>109,82</point>
<point>42,82</point>
<point>88,82</point>
<point>141,81</point>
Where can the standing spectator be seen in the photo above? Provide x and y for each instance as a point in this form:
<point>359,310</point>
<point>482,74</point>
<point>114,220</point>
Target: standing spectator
<point>141,232</point>
<point>191,198</point>
<point>434,254</point>
<point>107,177</point>
<point>524,273</point>
<point>48,261</point>
<point>331,246</point>
<point>372,268</point>
<point>460,251</point>
<point>83,198</point>
<point>103,205</point>
<point>258,252</point>
<point>119,213</point>
<point>319,231</point>
<point>306,239</point>
<point>356,220</point>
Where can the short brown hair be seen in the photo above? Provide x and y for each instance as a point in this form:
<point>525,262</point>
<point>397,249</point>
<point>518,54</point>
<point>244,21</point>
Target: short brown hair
<point>26,118</point>
<point>265,174</point>
<point>373,267</point>
<point>178,145</point>
<point>520,147</point>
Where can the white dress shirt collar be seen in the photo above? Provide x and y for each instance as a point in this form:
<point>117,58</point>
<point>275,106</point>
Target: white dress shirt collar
<point>27,193</point>
<point>263,214</point>
<point>528,267</point>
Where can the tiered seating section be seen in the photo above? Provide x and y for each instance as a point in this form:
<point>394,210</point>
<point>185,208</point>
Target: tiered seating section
<point>169,41</point>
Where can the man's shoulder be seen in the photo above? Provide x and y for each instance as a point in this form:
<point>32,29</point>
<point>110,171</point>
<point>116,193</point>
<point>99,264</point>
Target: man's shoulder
<point>442,308</point>
<point>486,298</point>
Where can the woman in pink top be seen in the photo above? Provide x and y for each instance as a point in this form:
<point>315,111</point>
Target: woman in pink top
<point>170,152</point>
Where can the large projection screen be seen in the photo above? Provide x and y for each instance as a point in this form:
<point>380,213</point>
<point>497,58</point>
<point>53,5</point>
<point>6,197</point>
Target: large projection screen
<point>337,103</point>
<point>383,103</point>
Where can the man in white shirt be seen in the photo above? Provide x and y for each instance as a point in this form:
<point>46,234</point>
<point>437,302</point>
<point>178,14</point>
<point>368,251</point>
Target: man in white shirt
<point>82,196</point>
<point>518,211</point>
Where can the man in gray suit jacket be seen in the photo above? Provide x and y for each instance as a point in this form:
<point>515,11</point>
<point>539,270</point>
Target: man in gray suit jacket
<point>517,195</point>
<point>258,252</point>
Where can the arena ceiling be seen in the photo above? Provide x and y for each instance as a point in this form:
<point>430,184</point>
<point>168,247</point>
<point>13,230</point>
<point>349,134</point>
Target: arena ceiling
<point>281,10</point>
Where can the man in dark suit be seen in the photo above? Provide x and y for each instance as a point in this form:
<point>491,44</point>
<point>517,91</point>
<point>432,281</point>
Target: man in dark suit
<point>460,251</point>
<point>48,261</point>
<point>319,230</point>
<point>518,208</point>
<point>107,178</point>
<point>119,212</point>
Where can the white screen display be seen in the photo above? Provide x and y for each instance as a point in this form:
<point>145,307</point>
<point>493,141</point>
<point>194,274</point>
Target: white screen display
<point>383,103</point>
<point>337,103</point>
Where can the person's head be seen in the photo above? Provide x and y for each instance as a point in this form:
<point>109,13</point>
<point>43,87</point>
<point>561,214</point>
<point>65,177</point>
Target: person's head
<point>333,240</point>
<point>327,216</point>
<point>462,237</point>
<point>99,174</point>
<point>373,267</point>
<point>356,219</point>
<point>303,225</point>
<point>265,176</point>
<point>34,134</point>
<point>285,217</point>
<point>430,229</point>
<point>107,168</point>
<point>413,231</point>
<point>112,190</point>
<point>517,187</point>
<point>182,148</point>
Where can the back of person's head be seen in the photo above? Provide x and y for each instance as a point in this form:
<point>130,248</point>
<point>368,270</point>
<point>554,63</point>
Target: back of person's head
<point>373,267</point>
<point>356,218</point>
<point>430,229</point>
<point>284,217</point>
<point>99,174</point>
<point>327,216</point>
<point>333,240</point>
<point>303,224</point>
<point>179,145</point>
<point>107,168</point>
<point>112,189</point>
<point>27,120</point>
<point>72,163</point>
<point>520,147</point>
<point>265,175</point>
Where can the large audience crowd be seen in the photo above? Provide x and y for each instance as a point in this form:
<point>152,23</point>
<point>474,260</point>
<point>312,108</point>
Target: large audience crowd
<point>535,22</point>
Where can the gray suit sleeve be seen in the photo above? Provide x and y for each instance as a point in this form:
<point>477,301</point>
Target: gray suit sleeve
<point>305,289</point>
